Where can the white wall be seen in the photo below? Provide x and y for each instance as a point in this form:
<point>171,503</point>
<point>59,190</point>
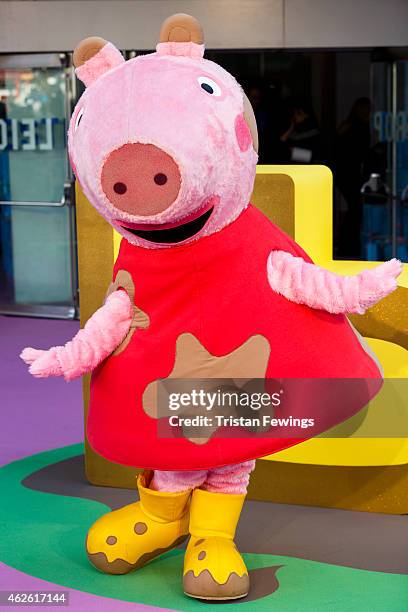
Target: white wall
<point>135,24</point>
<point>346,23</point>
<point>57,25</point>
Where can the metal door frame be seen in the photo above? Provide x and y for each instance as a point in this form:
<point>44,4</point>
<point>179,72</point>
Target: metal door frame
<point>64,61</point>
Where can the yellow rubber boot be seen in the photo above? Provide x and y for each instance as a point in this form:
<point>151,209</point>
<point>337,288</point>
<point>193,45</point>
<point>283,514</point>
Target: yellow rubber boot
<point>213,567</point>
<point>126,539</point>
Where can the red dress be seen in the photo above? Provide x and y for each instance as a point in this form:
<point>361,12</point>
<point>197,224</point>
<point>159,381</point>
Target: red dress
<point>208,310</point>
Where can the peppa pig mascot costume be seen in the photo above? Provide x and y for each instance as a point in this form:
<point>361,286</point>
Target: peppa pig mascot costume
<point>205,286</point>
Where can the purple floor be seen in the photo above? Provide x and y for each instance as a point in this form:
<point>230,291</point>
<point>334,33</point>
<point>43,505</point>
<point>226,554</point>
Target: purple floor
<point>37,415</point>
<point>11,579</point>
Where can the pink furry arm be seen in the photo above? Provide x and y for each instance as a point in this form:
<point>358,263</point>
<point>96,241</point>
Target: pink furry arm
<point>103,332</point>
<point>306,283</point>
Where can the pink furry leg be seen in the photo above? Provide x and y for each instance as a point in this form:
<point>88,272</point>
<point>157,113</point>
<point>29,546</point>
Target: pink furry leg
<point>305,283</point>
<point>229,479</point>
<point>176,481</point>
<point>103,332</point>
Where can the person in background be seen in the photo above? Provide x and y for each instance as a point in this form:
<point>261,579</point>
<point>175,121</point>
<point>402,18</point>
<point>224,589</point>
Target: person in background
<point>351,160</point>
<point>256,96</point>
<point>302,140</point>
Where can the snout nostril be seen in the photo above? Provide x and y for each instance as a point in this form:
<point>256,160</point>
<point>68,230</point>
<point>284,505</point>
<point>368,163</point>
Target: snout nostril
<point>160,179</point>
<point>140,179</point>
<point>120,188</point>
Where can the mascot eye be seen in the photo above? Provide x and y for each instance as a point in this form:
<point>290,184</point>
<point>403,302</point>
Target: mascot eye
<point>210,86</point>
<point>78,119</point>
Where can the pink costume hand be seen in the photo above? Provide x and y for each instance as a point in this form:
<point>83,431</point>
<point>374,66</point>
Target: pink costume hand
<point>102,334</point>
<point>306,283</point>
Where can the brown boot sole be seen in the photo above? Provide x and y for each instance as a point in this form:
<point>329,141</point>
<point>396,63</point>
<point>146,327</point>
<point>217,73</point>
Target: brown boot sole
<point>204,586</point>
<point>120,566</point>
<point>216,598</point>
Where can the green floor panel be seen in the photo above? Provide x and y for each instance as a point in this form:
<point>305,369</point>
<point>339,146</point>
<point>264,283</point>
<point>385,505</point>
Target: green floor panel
<point>43,535</point>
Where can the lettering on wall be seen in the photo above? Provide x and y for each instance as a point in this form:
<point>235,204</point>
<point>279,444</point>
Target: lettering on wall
<point>28,134</point>
<point>391,127</point>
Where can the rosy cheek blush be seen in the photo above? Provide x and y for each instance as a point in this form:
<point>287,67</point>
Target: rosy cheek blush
<point>242,133</point>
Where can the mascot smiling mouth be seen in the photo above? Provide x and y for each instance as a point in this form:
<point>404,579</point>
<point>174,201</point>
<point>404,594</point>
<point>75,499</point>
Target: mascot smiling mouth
<point>174,234</point>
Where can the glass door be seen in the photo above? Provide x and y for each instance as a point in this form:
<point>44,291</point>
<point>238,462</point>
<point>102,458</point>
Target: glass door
<point>37,216</point>
<point>401,156</point>
<point>388,210</point>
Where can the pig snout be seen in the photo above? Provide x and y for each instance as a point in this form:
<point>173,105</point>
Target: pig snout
<point>140,179</point>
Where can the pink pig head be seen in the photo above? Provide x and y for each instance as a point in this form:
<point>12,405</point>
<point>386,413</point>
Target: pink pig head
<point>164,145</point>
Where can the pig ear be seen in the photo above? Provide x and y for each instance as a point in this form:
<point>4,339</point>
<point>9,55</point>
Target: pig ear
<point>181,34</point>
<point>249,117</point>
<point>94,56</point>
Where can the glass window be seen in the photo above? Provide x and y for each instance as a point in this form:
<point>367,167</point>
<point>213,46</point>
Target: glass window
<point>37,265</point>
<point>348,110</point>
